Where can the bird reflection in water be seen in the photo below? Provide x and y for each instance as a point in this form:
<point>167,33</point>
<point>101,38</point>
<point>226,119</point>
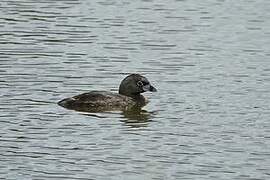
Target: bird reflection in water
<point>133,118</point>
<point>136,118</point>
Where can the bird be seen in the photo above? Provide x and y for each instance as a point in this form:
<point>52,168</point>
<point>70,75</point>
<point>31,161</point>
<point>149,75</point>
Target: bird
<point>128,97</point>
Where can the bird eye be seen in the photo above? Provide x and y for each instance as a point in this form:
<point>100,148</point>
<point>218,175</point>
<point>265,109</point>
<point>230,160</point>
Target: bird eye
<point>140,83</point>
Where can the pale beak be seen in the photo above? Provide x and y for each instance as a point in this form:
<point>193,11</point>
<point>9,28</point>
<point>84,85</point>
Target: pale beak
<point>149,87</point>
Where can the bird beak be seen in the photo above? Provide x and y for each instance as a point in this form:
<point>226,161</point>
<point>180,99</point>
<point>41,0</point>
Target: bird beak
<point>149,87</point>
<point>152,89</point>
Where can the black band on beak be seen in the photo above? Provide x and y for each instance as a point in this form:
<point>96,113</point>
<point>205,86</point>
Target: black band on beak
<point>149,87</point>
<point>152,89</point>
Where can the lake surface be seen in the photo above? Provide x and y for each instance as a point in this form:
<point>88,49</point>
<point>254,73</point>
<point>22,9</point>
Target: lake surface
<point>209,60</point>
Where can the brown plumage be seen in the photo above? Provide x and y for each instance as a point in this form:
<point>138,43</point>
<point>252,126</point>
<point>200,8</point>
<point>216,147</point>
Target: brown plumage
<point>97,101</point>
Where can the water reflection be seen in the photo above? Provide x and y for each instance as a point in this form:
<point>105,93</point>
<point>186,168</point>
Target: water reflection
<point>137,118</point>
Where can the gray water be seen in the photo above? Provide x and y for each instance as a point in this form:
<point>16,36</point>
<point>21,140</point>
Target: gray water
<point>210,61</point>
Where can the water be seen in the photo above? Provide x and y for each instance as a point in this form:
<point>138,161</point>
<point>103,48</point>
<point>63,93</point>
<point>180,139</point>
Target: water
<point>209,61</point>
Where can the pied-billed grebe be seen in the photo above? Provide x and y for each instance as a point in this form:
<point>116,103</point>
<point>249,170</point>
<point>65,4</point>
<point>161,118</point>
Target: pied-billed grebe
<point>96,101</point>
